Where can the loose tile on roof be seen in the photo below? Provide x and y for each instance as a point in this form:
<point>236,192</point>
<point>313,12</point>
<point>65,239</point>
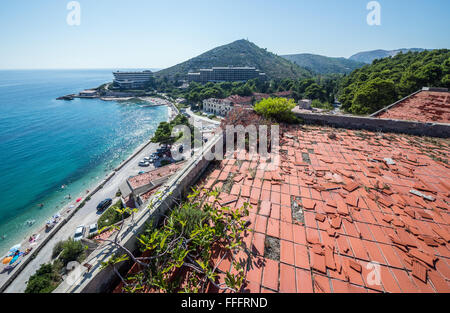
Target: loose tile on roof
<point>358,209</point>
<point>358,213</point>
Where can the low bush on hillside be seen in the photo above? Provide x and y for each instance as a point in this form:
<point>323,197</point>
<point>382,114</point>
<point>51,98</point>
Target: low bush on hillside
<point>72,251</point>
<point>49,275</point>
<point>45,280</point>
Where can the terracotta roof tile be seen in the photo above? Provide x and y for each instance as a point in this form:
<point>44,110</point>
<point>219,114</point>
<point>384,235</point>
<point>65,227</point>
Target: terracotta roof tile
<point>335,216</point>
<point>425,106</point>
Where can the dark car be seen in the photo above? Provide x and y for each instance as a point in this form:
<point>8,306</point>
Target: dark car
<point>104,204</point>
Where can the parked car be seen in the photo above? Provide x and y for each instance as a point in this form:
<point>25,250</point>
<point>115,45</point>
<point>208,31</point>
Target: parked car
<point>144,163</point>
<point>79,233</point>
<point>104,204</point>
<point>162,149</point>
<point>93,229</point>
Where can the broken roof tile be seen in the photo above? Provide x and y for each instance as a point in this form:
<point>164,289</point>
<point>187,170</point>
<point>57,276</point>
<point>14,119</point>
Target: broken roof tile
<point>419,271</point>
<point>422,256</point>
<point>390,226</point>
<point>308,204</point>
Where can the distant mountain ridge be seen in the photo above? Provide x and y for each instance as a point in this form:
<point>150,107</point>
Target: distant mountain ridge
<point>369,56</point>
<point>324,65</point>
<point>238,53</point>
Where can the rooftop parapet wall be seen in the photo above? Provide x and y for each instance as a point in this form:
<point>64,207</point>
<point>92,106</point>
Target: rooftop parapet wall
<point>375,124</point>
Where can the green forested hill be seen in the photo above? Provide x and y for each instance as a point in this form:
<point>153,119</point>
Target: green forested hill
<point>239,53</point>
<point>324,65</point>
<point>385,81</point>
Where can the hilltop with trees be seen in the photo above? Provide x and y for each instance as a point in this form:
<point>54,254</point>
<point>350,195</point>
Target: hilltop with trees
<point>385,81</point>
<point>238,53</point>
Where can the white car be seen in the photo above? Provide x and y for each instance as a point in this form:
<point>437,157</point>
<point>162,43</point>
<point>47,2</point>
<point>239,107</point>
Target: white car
<point>93,229</point>
<point>144,163</point>
<point>79,233</point>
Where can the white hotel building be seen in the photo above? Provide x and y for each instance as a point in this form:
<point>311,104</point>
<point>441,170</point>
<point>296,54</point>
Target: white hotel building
<point>219,107</point>
<point>131,80</point>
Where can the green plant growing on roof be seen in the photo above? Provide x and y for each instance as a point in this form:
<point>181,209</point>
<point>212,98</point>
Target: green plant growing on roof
<point>278,109</point>
<point>188,239</point>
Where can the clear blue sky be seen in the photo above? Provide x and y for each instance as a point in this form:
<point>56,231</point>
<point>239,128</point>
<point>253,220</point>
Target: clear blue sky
<point>161,33</point>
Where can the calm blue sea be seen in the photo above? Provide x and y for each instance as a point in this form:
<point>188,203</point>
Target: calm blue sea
<point>46,143</point>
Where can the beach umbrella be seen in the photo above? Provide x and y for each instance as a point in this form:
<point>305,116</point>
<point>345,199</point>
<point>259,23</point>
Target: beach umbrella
<point>14,259</point>
<point>7,260</point>
<point>15,248</point>
<point>79,199</point>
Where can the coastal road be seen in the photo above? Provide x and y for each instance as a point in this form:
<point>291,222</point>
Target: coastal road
<point>204,124</point>
<point>200,120</point>
<point>85,216</point>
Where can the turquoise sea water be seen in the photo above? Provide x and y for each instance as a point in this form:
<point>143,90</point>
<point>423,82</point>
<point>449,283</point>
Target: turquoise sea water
<point>46,143</point>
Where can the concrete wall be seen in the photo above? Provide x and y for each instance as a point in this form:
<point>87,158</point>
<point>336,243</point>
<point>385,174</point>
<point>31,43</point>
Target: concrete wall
<point>103,280</point>
<point>377,125</point>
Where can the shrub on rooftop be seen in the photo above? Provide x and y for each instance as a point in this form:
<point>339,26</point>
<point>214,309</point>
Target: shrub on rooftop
<point>277,109</point>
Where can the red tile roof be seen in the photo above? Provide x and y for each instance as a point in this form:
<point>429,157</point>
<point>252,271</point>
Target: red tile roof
<point>426,106</point>
<point>148,177</point>
<point>341,214</point>
<point>235,99</point>
<point>336,205</point>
